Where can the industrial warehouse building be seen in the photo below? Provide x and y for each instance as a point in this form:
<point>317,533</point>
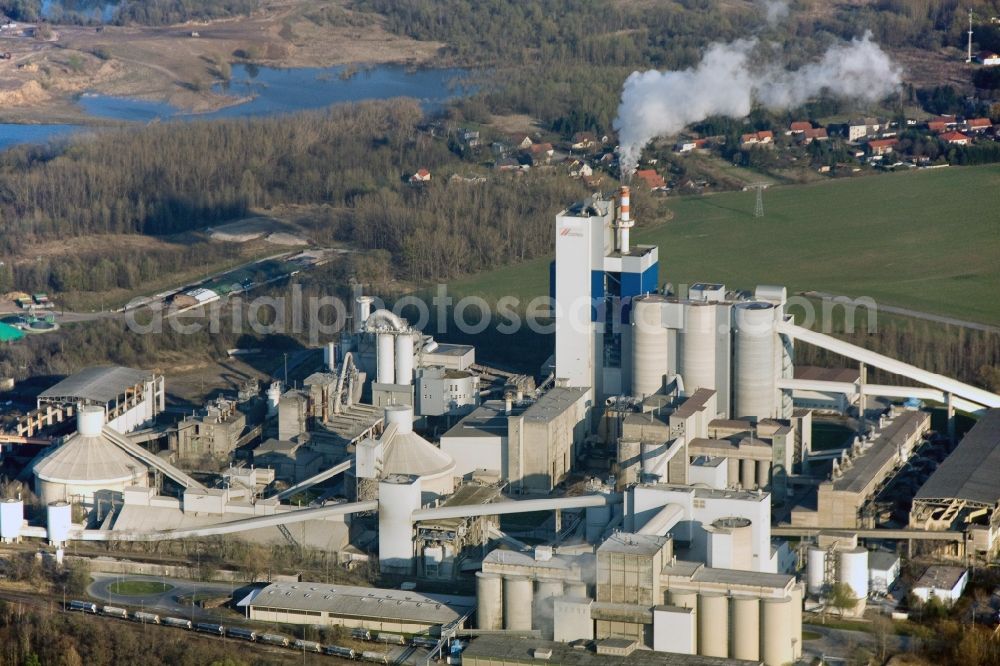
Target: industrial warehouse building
<point>130,398</point>
<point>375,609</point>
<point>964,492</point>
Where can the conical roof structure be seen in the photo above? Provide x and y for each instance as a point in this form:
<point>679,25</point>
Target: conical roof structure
<point>88,456</point>
<point>409,453</point>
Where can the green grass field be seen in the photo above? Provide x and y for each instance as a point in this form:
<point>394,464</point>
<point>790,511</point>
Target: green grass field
<point>926,240</point>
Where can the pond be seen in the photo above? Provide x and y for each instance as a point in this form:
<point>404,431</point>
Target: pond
<point>12,134</point>
<point>269,91</point>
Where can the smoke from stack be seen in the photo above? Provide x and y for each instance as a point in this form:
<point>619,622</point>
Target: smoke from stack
<point>774,10</point>
<point>726,83</point>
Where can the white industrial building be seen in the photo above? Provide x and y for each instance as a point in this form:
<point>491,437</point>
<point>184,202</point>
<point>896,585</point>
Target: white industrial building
<point>130,398</point>
<point>883,571</point>
<point>943,583</point>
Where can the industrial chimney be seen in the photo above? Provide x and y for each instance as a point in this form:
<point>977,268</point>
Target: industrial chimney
<point>624,220</point>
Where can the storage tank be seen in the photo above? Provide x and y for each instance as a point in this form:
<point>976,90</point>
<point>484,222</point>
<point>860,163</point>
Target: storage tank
<point>748,473</point>
<point>363,309</point>
<point>401,416</point>
<point>696,362</point>
<point>409,453</point>
<point>815,570</point>
<point>797,594</point>
<point>398,498</point>
<point>518,596</point>
<point>385,373</point>
<point>11,520</point>
<point>746,628</point>
<point>650,345</point>
<point>330,355</point>
<point>754,380</point>
<point>713,624</point>
<point>489,601</point>
<point>684,599</point>
<point>730,544</point>
<point>90,420</point>
<point>854,570</point>
<point>546,589</point>
<point>58,520</point>
<point>763,474</point>
<point>404,359</point>
<point>776,631</point>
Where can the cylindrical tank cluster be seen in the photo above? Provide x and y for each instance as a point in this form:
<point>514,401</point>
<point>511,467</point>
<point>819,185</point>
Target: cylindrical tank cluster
<point>59,520</point>
<point>754,388</point>
<point>385,372</point>
<point>518,603</point>
<point>854,571</point>
<point>650,348</point>
<point>404,358</point>
<point>11,520</point>
<point>697,347</point>
<point>816,570</point>
<point>489,601</point>
<point>546,590</point>
<point>767,630</point>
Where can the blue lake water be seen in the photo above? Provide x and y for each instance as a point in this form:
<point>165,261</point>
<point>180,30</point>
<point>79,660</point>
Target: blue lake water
<point>273,91</point>
<point>270,91</point>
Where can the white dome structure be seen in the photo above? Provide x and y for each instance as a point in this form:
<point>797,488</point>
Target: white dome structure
<point>86,462</point>
<point>409,453</point>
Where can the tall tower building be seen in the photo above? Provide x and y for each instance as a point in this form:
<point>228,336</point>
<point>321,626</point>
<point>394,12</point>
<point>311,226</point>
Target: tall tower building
<point>594,278</point>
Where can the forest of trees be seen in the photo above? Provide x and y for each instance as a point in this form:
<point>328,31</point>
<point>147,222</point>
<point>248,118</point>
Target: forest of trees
<point>143,12</point>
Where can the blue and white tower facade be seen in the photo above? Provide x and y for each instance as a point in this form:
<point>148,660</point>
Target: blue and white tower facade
<point>594,278</point>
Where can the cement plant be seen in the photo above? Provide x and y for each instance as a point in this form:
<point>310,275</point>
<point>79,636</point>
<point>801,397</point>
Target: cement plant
<point>654,494</point>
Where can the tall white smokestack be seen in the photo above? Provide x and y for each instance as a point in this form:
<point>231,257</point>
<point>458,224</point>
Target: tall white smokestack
<point>624,221</point>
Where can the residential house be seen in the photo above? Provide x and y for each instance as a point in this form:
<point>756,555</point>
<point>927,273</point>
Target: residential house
<point>507,164</point>
<point>521,141</point>
<point>988,58</point>
<point>584,141</point>
<point>690,145</point>
<point>761,138</point>
<point>470,137</point>
<point>798,127</point>
<point>651,179</point>
<point>541,152</point>
<point>880,147</point>
<point>937,126</point>
<point>859,129</point>
<point>421,176</point>
<point>955,138</point>
<point>813,134</point>
<point>978,124</point>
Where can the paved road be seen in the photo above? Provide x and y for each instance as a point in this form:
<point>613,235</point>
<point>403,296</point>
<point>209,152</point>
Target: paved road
<point>842,642</point>
<point>916,314</point>
<point>165,602</point>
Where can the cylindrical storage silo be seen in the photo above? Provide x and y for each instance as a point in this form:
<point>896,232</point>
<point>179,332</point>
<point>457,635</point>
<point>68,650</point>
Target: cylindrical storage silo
<point>776,631</point>
<point>754,380</point>
<point>763,473</point>
<point>364,308</point>
<point>11,520</point>
<point>398,498</point>
<point>400,416</point>
<point>650,344</point>
<point>385,373</point>
<point>748,473</point>
<point>797,595</point>
<point>489,601</point>
<point>518,597</point>
<point>730,544</point>
<point>815,570</point>
<point>713,624</point>
<point>854,571</point>
<point>746,628</point>
<point>696,358</point>
<point>546,590</point>
<point>653,454</point>
<point>684,599</point>
<point>59,519</point>
<point>404,359</point>
<point>576,589</point>
<point>90,420</point>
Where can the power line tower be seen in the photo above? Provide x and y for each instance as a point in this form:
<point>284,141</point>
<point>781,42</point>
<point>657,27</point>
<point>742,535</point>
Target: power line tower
<point>758,210</point>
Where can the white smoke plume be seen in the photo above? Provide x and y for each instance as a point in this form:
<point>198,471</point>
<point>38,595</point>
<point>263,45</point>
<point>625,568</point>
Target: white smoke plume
<point>725,83</point>
<point>774,10</point>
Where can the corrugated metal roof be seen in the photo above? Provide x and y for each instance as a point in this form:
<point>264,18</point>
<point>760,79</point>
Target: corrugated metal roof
<point>99,384</point>
<point>370,602</point>
<point>970,472</point>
